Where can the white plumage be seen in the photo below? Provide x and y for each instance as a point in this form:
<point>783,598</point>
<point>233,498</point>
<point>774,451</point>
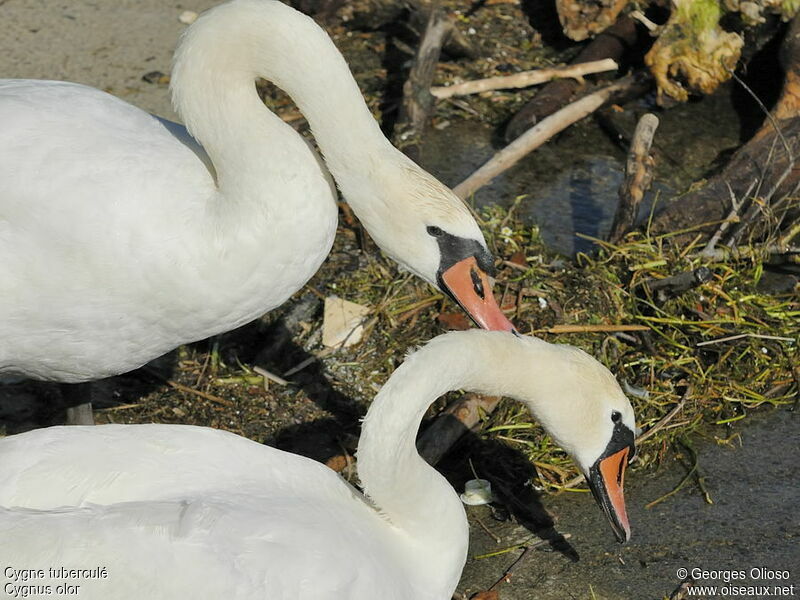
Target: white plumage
<point>121,238</point>
<point>186,512</point>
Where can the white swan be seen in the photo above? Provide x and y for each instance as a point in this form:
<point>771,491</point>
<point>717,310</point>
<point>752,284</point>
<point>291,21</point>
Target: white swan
<point>118,243</point>
<point>176,511</point>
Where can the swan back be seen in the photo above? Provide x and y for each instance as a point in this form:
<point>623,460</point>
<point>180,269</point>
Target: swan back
<point>171,510</point>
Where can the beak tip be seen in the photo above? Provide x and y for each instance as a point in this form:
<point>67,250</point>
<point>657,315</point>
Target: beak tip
<point>624,536</point>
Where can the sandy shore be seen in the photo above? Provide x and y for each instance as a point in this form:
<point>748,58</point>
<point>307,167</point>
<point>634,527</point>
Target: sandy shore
<point>108,44</point>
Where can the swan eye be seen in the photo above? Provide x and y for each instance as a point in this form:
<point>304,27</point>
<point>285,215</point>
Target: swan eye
<point>616,416</point>
<point>435,231</point>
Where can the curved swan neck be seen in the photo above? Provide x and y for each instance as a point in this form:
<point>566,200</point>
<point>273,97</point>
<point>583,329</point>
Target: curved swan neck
<point>404,487</point>
<point>221,55</point>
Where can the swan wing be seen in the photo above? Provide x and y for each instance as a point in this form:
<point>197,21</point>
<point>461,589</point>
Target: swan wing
<point>181,511</point>
<point>209,548</point>
<point>72,466</point>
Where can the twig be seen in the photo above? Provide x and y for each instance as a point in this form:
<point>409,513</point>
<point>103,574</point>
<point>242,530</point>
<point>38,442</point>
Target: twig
<point>665,419</point>
<point>676,489</point>
<point>723,253</point>
<point>593,328</point>
<point>733,217</point>
<point>497,539</point>
<point>739,336</point>
<point>268,375</point>
<point>311,359</point>
<point>206,395</point>
<point>536,136</point>
<point>638,15</point>
<point>506,578</point>
<point>536,544</point>
<point>638,177</point>
<point>186,388</point>
<point>524,79</point>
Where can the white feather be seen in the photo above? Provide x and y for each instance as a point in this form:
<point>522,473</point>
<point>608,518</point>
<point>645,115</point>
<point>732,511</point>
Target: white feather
<point>122,238</point>
<point>186,512</point>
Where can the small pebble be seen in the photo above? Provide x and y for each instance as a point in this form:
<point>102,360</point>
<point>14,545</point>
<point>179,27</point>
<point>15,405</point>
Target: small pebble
<point>188,17</point>
<point>156,77</point>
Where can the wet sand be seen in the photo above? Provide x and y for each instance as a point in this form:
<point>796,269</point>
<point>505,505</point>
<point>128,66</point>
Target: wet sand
<point>108,44</point>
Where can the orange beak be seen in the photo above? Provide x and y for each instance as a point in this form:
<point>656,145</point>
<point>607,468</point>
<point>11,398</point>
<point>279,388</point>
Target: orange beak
<point>606,479</point>
<point>469,285</point>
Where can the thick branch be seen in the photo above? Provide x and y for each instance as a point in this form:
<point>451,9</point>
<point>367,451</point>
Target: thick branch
<point>612,43</point>
<point>761,179</point>
<point>538,135</point>
<point>417,99</point>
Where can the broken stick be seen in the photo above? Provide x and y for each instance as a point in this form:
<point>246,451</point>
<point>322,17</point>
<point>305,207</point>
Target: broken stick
<point>524,79</point>
<point>638,177</point>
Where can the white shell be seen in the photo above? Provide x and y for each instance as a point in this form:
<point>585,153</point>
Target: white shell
<point>477,492</point>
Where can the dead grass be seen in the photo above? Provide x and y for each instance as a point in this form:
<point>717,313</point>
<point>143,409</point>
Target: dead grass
<point>722,381</point>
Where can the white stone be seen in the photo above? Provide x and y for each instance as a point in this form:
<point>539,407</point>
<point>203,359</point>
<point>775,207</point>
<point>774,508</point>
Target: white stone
<point>343,322</point>
<point>188,17</point>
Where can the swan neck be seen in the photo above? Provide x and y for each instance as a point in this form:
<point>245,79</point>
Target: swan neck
<point>408,491</point>
<point>223,53</point>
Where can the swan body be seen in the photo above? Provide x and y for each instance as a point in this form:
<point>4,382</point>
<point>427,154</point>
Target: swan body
<point>123,238</point>
<point>180,511</point>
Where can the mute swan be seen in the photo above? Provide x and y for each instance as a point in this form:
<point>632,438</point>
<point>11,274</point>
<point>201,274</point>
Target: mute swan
<point>122,239</point>
<point>174,511</point>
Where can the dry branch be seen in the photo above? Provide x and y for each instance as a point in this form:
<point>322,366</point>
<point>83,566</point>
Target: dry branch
<point>638,177</point>
<point>768,159</point>
<point>538,135</point>
<point>612,43</point>
<point>524,79</point>
<point>594,328</point>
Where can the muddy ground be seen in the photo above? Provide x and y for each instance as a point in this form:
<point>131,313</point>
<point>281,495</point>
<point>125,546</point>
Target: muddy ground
<point>111,44</point>
<point>752,523</point>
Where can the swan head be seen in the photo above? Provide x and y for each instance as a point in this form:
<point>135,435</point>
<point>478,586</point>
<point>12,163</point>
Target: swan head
<point>575,398</point>
<point>581,405</point>
<point>427,229</point>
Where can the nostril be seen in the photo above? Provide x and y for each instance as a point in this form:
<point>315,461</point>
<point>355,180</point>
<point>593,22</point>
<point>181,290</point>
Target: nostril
<point>477,284</point>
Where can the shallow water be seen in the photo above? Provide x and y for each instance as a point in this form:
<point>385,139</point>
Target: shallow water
<point>570,184</point>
